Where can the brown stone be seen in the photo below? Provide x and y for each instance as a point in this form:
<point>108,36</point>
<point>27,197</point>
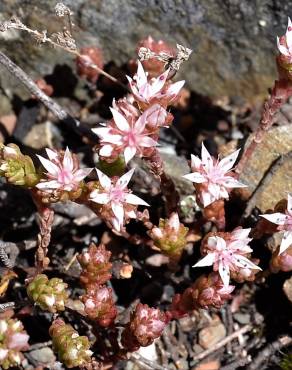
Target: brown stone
<point>277,142</point>
<point>212,334</point>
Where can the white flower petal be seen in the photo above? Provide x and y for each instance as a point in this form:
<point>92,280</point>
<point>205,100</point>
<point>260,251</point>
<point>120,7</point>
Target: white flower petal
<point>231,182</point>
<point>227,163</point>
<point>240,233</point>
<point>68,161</point>
<point>159,82</point>
<point>195,161</point>
<point>289,204</point>
<point>103,179</point>
<point>195,177</point>
<point>207,160</point>
<point>106,150</point>
<point>51,154</point>
<point>207,198</point>
<point>49,166</point>
<point>120,120</point>
<point>118,211</point>
<point>116,224</point>
<point>276,218</point>
<point>289,34</point>
<point>140,77</point>
<point>286,241</point>
<point>80,174</point>
<point>147,142</point>
<point>129,153</point>
<point>208,260</point>
<point>282,49</point>
<point>124,180</point>
<point>102,132</point>
<point>224,274</point>
<point>139,125</point>
<point>244,262</point>
<point>175,88</point>
<point>100,198</point>
<point>49,185</point>
<point>133,199</point>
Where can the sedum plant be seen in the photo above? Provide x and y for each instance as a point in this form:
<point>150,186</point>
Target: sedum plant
<point>133,132</point>
<point>72,349</point>
<point>48,294</point>
<point>13,340</point>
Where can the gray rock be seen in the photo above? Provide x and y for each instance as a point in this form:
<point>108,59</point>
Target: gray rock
<point>44,356</point>
<point>233,40</point>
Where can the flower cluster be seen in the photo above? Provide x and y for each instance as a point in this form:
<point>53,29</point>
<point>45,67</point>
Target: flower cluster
<point>98,301</point>
<point>49,294</point>
<point>228,254</point>
<point>170,237</point>
<point>13,340</point>
<point>117,204</point>
<point>146,324</point>
<point>135,131</point>
<point>72,349</point>
<point>213,178</point>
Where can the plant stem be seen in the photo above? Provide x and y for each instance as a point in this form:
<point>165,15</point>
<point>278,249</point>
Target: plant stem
<point>54,107</point>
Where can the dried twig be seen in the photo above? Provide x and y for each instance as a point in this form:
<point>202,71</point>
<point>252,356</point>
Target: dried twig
<point>6,306</point>
<point>152,365</point>
<point>63,41</point>
<point>54,107</point>
<point>266,353</point>
<point>222,342</point>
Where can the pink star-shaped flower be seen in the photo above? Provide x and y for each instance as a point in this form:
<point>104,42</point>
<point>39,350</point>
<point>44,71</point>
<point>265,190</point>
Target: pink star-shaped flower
<point>131,135</point>
<point>63,171</point>
<point>228,255</point>
<point>214,176</point>
<point>153,90</point>
<point>116,196</point>
<point>285,42</point>
<point>284,220</point>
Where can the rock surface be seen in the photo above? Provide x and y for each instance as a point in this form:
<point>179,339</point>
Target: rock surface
<point>233,40</point>
<point>212,334</point>
<point>277,143</point>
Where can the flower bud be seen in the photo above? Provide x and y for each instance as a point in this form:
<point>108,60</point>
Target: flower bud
<point>72,349</point>
<point>207,291</point>
<point>49,294</point>
<point>99,305</point>
<point>170,237</point>
<point>13,340</point>
<point>282,262</point>
<point>16,167</point>
<point>146,324</point>
<point>89,57</point>
<point>95,265</point>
